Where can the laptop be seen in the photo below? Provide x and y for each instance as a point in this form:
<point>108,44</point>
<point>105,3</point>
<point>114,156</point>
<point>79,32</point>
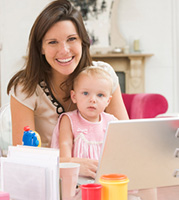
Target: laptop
<point>145,150</point>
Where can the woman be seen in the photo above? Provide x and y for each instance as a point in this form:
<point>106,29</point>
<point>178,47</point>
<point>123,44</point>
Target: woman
<point>58,49</point>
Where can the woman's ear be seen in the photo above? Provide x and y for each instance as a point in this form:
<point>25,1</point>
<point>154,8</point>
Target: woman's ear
<point>73,96</point>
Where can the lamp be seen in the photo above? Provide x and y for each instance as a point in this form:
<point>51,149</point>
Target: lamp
<point>89,6</point>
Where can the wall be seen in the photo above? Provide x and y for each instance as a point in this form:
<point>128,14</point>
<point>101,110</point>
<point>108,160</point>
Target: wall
<point>16,19</point>
<point>155,23</point>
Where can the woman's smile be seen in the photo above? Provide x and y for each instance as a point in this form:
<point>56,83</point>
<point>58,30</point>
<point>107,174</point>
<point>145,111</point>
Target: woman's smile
<point>62,46</point>
<point>67,60</point>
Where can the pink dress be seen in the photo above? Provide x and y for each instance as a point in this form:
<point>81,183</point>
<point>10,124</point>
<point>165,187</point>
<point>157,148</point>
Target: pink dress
<point>88,136</point>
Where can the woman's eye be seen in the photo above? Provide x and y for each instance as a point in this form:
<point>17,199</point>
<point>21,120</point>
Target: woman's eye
<point>100,95</point>
<point>53,42</point>
<point>85,93</point>
<point>72,39</point>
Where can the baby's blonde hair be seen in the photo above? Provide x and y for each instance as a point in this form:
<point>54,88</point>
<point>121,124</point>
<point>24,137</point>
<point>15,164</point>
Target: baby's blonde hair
<point>99,72</point>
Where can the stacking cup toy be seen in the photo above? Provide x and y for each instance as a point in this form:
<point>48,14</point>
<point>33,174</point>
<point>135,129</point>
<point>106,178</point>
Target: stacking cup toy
<point>91,191</point>
<point>114,187</point>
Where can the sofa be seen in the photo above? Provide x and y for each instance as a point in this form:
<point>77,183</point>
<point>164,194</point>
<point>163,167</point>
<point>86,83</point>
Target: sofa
<point>145,105</point>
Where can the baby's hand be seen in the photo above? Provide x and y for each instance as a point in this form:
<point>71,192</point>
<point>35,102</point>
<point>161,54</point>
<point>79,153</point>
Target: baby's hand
<point>88,167</point>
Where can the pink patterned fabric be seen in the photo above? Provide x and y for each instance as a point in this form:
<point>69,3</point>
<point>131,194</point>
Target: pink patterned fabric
<point>145,105</point>
<point>88,136</point>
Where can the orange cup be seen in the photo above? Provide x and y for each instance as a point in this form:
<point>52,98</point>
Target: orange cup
<point>114,187</point>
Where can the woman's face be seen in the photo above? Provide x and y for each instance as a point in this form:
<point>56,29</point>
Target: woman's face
<point>62,47</point>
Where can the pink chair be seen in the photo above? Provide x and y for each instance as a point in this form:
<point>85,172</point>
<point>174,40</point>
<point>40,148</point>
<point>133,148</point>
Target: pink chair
<point>144,105</point>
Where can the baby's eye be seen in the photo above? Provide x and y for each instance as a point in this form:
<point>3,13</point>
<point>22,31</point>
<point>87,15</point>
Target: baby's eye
<point>100,95</point>
<point>85,93</point>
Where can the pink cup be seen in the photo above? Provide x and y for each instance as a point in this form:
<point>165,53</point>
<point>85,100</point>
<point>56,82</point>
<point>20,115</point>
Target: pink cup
<point>69,178</point>
<point>91,191</point>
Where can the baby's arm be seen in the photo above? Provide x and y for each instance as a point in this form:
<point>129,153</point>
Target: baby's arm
<point>88,166</point>
<point>65,137</point>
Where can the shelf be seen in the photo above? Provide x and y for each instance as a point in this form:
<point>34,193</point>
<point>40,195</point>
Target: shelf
<point>113,55</point>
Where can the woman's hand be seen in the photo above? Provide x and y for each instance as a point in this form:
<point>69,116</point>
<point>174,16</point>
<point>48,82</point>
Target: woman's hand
<point>88,167</point>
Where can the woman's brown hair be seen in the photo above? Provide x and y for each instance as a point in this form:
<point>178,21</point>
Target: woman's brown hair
<point>36,67</point>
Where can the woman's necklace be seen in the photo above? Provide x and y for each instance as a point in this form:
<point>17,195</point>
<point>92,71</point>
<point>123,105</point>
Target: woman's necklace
<point>58,93</point>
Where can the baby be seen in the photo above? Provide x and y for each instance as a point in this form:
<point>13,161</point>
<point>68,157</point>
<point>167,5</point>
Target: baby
<point>80,133</point>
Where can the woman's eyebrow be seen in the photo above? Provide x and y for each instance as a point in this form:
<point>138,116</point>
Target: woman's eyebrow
<point>74,34</point>
<point>71,35</point>
<point>49,39</point>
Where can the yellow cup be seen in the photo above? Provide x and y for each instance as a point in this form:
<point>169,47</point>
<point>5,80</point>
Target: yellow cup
<point>114,187</point>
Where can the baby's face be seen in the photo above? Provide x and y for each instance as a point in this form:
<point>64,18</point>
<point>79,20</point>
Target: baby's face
<point>92,95</point>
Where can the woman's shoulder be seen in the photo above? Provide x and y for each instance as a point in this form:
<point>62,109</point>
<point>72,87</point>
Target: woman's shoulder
<point>18,91</point>
<point>29,100</point>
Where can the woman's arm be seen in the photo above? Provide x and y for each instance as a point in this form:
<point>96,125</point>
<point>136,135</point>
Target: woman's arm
<point>116,105</point>
<point>21,116</point>
<point>88,167</point>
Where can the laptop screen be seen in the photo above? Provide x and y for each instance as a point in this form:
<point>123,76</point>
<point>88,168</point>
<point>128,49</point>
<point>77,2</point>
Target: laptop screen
<point>144,150</point>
